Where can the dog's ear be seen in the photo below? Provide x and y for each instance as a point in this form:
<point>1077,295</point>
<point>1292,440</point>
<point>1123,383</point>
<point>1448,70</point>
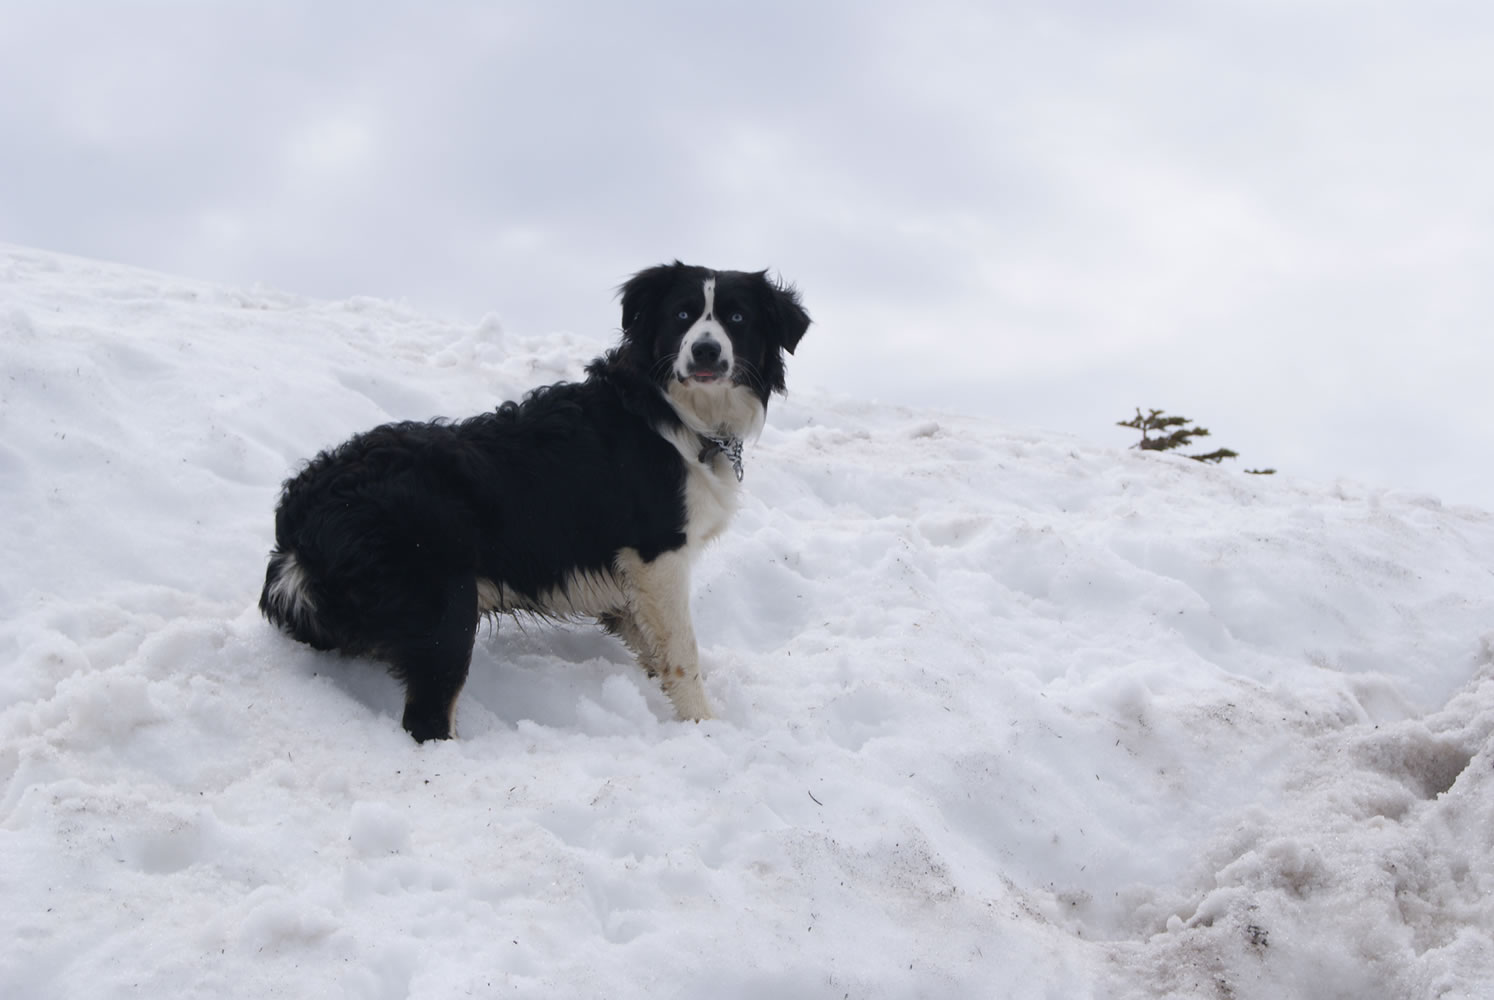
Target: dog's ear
<point>787,321</point>
<point>642,291</point>
<point>792,319</point>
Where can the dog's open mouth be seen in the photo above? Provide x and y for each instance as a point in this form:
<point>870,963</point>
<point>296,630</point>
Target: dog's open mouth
<point>705,376</point>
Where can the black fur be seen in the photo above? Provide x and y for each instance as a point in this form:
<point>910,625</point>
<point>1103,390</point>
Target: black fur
<point>381,541</point>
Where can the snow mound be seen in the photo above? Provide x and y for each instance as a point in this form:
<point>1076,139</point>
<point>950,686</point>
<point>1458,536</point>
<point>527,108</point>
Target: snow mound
<point>1003,714</point>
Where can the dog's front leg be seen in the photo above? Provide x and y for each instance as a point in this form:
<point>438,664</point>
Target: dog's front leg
<point>659,605</point>
<point>622,624</point>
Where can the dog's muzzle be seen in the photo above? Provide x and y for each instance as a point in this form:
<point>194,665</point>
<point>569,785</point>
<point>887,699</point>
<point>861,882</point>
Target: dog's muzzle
<point>705,363</point>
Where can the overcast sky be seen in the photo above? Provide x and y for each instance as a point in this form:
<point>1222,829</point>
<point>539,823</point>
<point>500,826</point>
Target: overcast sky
<point>1273,216</point>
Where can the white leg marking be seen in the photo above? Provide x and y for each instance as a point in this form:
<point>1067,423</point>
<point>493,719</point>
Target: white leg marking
<point>625,626</point>
<point>659,599</point>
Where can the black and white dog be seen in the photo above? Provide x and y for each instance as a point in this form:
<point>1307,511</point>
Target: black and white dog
<point>586,499</point>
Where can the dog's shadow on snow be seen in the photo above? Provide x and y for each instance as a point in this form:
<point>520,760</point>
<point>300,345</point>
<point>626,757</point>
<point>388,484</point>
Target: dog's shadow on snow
<point>535,671</point>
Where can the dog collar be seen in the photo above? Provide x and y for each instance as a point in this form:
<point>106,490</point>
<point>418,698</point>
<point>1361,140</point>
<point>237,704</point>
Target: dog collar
<point>731,447</point>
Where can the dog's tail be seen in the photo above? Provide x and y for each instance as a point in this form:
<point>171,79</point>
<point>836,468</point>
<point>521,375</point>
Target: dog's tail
<point>288,600</point>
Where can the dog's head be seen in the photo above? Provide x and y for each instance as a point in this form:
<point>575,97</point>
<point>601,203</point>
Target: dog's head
<point>700,333</point>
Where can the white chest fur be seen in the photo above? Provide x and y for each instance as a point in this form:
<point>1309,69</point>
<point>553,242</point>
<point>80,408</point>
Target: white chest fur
<point>712,489</point>
<point>711,495</point>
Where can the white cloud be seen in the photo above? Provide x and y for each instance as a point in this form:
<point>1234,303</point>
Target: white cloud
<point>1272,213</point>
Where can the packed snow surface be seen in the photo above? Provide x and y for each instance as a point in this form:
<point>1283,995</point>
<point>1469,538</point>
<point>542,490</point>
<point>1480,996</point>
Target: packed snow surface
<point>1002,714</point>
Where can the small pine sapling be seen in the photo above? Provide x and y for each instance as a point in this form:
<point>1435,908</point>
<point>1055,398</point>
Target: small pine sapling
<point>1174,432</point>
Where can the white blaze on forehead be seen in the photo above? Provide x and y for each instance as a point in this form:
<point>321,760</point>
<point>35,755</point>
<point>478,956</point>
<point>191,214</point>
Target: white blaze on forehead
<point>707,327</point>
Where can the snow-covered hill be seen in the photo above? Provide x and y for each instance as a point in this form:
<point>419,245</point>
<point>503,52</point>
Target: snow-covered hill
<point>1003,715</point>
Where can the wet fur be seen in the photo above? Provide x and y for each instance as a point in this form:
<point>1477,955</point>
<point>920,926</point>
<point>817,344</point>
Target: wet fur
<point>586,499</point>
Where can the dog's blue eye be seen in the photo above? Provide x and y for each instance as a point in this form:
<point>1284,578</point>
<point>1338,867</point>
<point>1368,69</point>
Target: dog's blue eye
<point>684,315</point>
<point>736,317</point>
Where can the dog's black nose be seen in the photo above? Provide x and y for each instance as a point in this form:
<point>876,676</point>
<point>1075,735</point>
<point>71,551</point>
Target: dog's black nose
<point>705,352</point>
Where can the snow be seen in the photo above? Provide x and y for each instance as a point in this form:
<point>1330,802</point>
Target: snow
<point>1002,714</point>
